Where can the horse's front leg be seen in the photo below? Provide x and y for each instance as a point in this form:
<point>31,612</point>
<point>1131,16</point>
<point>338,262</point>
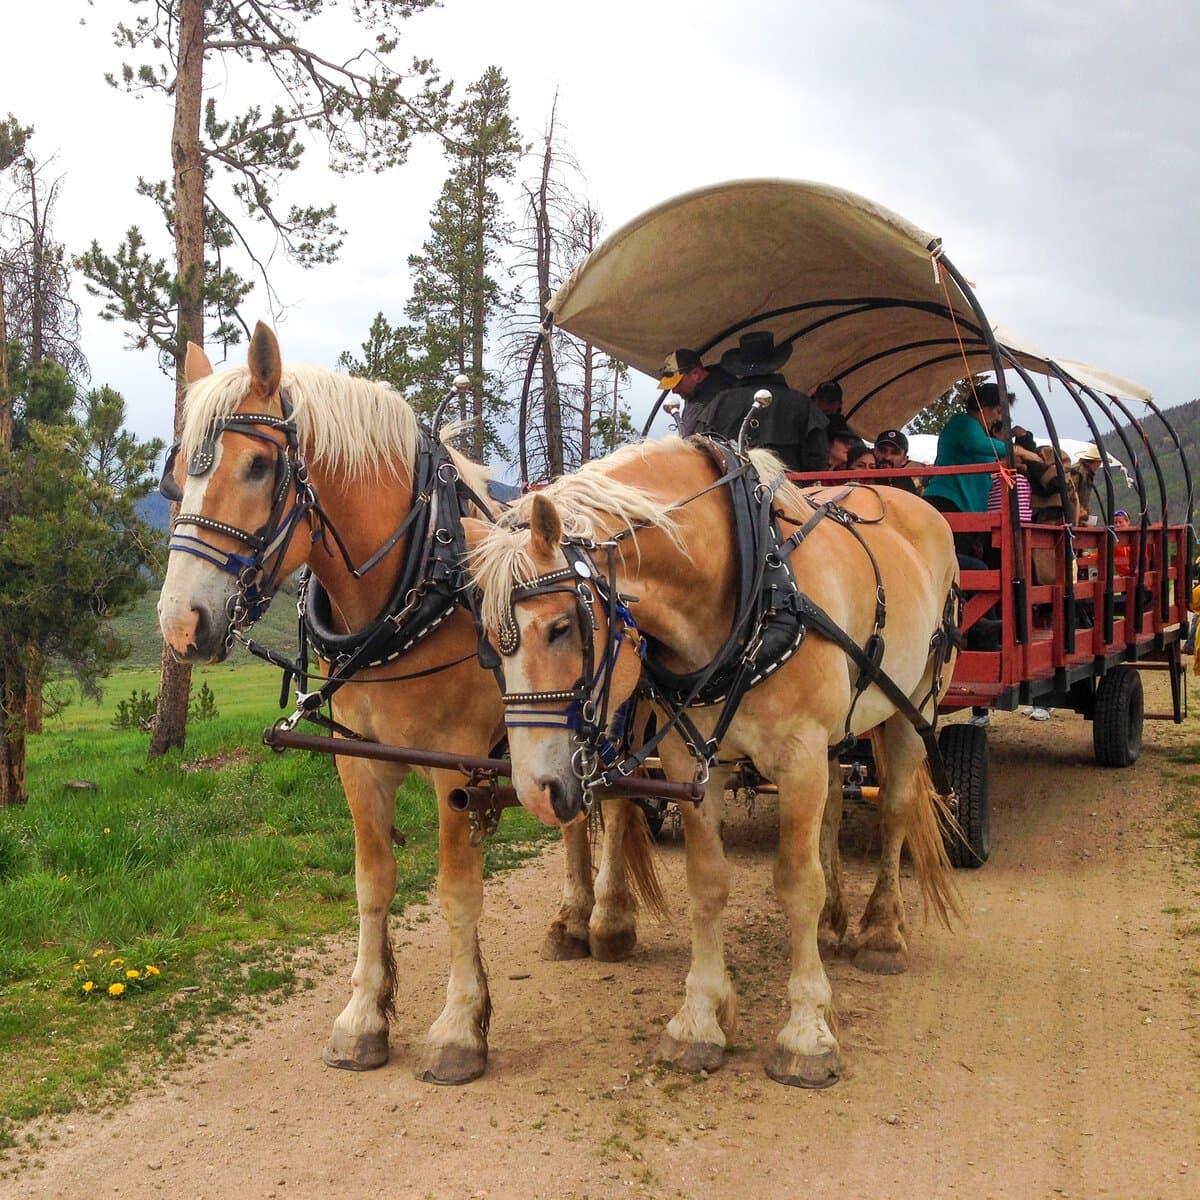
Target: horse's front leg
<point>805,1053</point>
<point>696,1036</point>
<point>567,936</point>
<point>456,1046</point>
<point>359,1040</point>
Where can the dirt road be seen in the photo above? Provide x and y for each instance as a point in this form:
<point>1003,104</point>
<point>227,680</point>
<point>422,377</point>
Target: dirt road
<point>1047,1047</point>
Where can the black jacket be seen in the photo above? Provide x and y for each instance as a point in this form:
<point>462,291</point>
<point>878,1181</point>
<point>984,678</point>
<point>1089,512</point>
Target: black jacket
<point>791,426</point>
<point>695,410</point>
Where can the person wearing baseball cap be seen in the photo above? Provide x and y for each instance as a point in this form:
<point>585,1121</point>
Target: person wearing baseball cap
<point>891,453</point>
<point>695,384</point>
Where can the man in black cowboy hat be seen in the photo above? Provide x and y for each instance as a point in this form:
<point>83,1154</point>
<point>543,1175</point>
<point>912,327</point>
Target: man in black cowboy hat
<point>790,426</point>
<point>695,384</point>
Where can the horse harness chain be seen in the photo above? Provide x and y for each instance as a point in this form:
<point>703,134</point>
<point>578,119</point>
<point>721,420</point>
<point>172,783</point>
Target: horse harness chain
<point>432,581</point>
<point>772,617</point>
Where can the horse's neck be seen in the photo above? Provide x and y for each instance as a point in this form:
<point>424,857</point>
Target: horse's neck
<point>365,513</point>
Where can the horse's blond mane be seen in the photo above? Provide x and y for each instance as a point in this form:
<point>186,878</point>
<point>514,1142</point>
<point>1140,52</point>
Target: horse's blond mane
<point>590,503</point>
<point>356,426</point>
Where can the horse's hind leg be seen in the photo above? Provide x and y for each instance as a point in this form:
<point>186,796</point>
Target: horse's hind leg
<point>567,936</point>
<point>832,926</point>
<point>880,944</point>
<point>805,1053</point>
<point>456,1046</point>
<point>359,1039</point>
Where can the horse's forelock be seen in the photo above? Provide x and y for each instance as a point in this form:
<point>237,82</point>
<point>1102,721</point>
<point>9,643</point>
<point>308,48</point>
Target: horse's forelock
<point>354,425</point>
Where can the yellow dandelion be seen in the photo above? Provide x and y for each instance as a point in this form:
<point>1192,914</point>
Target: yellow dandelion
<point>89,986</point>
<point>79,965</point>
<point>97,953</point>
<point>116,989</point>
<point>107,830</point>
<point>133,973</point>
<point>151,970</point>
<point>117,962</point>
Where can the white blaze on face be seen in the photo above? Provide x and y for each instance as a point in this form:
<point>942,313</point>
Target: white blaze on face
<point>191,583</point>
<point>538,755</point>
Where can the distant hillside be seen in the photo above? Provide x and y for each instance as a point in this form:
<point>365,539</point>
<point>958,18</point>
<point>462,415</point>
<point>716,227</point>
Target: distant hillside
<point>155,509</point>
<point>1185,419</point>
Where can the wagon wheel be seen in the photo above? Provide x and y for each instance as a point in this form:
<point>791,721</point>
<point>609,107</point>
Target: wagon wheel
<point>1117,722</point>
<point>655,811</point>
<point>965,752</point>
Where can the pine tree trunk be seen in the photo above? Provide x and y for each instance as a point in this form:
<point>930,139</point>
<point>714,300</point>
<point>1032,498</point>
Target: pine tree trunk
<point>585,432</point>
<point>170,723</point>
<point>36,668</point>
<point>12,736</point>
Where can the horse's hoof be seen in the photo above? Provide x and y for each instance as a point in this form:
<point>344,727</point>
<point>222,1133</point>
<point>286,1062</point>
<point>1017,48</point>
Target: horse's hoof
<point>560,946</point>
<point>804,1070</point>
<point>613,947</point>
<point>362,1053</point>
<point>451,1065</point>
<point>881,962</point>
<point>691,1057</point>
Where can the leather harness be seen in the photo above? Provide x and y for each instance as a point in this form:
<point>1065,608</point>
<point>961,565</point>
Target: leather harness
<point>771,619</point>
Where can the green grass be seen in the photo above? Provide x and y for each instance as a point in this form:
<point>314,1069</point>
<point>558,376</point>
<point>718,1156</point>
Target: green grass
<point>219,867</point>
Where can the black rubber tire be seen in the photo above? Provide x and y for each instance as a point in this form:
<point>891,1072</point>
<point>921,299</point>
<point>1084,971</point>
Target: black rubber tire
<point>965,752</point>
<point>1117,721</point>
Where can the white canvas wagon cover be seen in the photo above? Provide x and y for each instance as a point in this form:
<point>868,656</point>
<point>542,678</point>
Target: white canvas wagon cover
<point>853,283</point>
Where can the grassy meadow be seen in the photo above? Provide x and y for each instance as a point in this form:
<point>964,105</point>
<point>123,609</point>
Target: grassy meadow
<point>136,915</point>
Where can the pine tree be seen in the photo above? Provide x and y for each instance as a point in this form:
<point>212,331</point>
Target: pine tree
<point>227,173</point>
<point>455,290</point>
<point>72,549</point>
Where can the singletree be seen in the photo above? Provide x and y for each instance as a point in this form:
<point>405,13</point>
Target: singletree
<point>229,167</point>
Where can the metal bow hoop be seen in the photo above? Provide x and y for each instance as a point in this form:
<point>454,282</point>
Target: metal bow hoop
<point>585,705</point>
<point>257,573</point>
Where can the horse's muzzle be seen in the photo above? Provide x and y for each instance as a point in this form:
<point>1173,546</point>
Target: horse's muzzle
<point>566,800</point>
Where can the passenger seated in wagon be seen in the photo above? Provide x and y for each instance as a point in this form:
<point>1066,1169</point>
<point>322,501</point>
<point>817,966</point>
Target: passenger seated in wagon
<point>968,439</point>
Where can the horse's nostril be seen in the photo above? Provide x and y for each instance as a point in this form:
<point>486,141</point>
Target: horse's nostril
<point>565,807</point>
<point>202,632</point>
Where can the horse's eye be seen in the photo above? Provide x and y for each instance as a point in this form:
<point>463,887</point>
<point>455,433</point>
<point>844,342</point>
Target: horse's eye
<point>559,629</point>
<point>260,467</point>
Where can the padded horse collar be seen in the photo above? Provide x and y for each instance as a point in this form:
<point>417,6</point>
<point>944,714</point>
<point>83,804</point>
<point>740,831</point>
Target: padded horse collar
<point>432,581</point>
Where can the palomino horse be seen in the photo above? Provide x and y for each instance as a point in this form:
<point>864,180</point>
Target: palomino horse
<point>331,459</point>
<point>650,525</point>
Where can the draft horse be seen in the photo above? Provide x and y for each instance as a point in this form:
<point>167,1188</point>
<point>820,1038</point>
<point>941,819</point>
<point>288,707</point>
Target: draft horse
<point>632,574</point>
<point>282,467</point>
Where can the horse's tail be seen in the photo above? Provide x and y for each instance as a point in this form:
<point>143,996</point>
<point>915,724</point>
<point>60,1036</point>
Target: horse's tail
<point>929,819</point>
<point>639,858</point>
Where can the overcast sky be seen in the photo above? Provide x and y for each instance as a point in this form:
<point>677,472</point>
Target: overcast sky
<point>1053,147</point>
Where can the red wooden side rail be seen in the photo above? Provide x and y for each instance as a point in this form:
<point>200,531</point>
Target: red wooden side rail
<point>1048,569</point>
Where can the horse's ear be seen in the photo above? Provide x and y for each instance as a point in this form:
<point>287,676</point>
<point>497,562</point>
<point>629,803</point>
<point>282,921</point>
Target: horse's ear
<point>195,363</point>
<point>263,359</point>
<point>544,525</point>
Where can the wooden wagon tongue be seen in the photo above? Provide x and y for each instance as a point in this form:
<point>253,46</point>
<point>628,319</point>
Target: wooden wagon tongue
<point>481,772</point>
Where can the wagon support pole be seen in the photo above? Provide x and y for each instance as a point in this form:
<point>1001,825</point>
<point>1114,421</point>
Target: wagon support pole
<point>474,767</point>
<point>1019,583</point>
